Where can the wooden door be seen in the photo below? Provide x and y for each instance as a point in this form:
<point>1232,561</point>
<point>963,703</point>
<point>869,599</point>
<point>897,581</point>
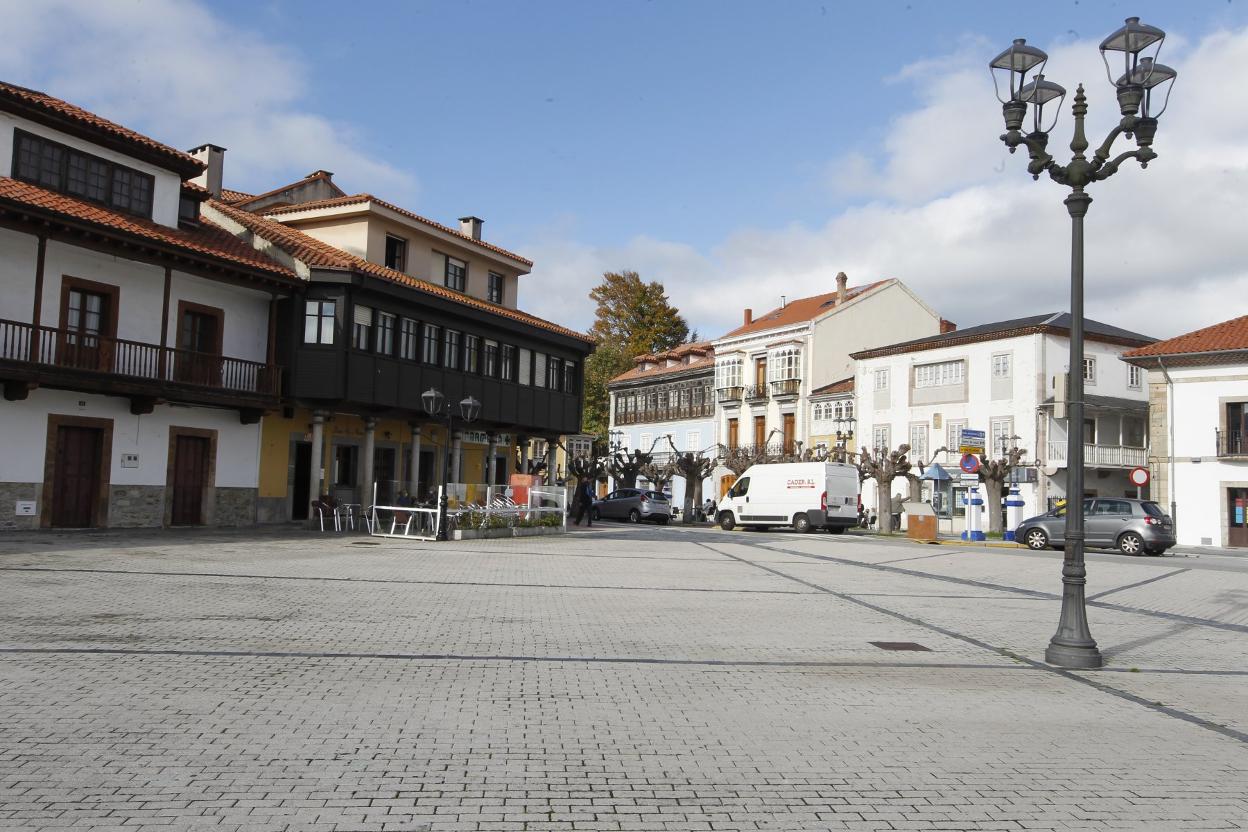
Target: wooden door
<point>734,434</point>
<point>199,346</point>
<point>76,476</point>
<point>1237,517</point>
<point>760,372</point>
<point>760,431</point>
<point>190,480</point>
<point>788,423</point>
<point>85,320</point>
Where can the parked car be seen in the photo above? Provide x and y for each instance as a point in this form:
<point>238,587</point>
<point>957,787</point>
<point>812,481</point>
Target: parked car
<point>1134,527</point>
<point>803,495</point>
<point>634,505</point>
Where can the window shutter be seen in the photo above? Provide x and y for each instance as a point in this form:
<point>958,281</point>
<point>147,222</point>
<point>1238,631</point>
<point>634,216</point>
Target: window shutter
<point>364,315</point>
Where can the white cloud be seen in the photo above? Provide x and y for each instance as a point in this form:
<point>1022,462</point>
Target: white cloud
<point>955,216</point>
<point>178,73</point>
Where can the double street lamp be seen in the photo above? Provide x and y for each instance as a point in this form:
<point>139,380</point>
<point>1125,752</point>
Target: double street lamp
<point>436,406</point>
<point>1143,90</point>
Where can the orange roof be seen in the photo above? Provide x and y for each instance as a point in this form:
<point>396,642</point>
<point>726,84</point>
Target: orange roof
<point>319,254</point>
<point>800,310</point>
<point>701,355</point>
<point>314,176</point>
<point>355,199</point>
<point>228,195</point>
<point>1227,336</point>
<point>23,98</point>
<point>845,385</point>
<point>208,240</point>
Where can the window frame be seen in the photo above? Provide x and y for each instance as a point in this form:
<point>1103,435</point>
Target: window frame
<point>321,319</point>
<point>507,362</point>
<point>129,177</point>
<point>1089,369</point>
<point>999,358</point>
<point>409,339</point>
<point>494,287</point>
<point>385,324</point>
<point>950,373</point>
<point>1135,377</point>
<point>430,339</point>
<point>400,255</point>
<point>362,333</point>
<point>881,379</point>
<point>489,358</point>
<point>452,348</point>
<point>461,278</point>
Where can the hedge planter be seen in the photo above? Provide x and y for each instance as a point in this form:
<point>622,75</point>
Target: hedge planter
<point>516,531</point>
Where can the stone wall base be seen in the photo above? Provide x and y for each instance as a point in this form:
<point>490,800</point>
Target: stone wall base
<point>271,510</point>
<point>136,506</point>
<point>235,506</point>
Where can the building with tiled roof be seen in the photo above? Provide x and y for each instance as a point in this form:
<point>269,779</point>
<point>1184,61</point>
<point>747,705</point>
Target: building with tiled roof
<point>1198,421</point>
<point>136,337</point>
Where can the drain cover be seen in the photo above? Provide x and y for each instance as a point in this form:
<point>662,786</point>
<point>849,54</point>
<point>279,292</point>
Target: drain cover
<point>900,645</point>
<point>365,543</point>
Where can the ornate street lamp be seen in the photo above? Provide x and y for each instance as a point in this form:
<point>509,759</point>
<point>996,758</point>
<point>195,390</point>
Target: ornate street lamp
<point>1018,71</point>
<point>436,406</point>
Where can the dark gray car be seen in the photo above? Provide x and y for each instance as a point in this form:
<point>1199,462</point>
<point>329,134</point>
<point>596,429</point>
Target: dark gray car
<point>634,505</point>
<point>1134,527</point>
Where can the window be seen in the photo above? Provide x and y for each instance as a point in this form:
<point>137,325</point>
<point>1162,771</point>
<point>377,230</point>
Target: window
<point>849,410</point>
<point>385,333</point>
<point>429,350</point>
<point>553,368</point>
<point>569,377</point>
<point>1133,432</point>
<point>526,366</point>
<point>409,339</point>
<point>491,359</point>
<point>494,288</point>
<point>693,441</point>
<point>362,331</point>
<point>456,274</point>
<point>345,457</point>
<point>816,412</point>
<point>881,379</point>
<point>450,354</point>
<point>61,168</point>
<point>880,439</point>
<point>1001,365</point>
<point>940,374</point>
<point>728,372</point>
<point>188,210</point>
<point>396,253</point>
<point>539,369</point>
<point>918,442</point>
<point>507,362</point>
<point>1001,435</point>
<point>318,321</point>
<point>1089,370</point>
<point>472,354</point>
<point>784,364</point>
<point>645,442</point>
<point>1135,376</point>
<point>954,429</point>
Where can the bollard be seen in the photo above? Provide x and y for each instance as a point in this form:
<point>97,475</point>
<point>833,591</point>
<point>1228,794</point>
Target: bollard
<point>1013,512</point>
<point>974,508</point>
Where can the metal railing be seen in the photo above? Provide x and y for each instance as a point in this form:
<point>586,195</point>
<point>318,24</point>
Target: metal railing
<point>1231,443</point>
<point>729,395</point>
<point>1102,456</point>
<point>44,346</point>
<point>756,393</point>
<point>665,414</point>
<point>786,387</point>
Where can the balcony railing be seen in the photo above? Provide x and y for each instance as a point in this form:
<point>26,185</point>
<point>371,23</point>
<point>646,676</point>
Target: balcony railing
<point>729,395</point>
<point>1231,442</point>
<point>665,414</point>
<point>756,393</point>
<point>1101,456</point>
<point>786,387</point>
<point>80,353</point>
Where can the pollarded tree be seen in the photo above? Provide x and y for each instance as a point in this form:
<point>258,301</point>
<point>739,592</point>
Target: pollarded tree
<point>994,474</point>
<point>916,479</point>
<point>693,467</point>
<point>884,467</point>
<point>659,474</point>
<point>624,467</point>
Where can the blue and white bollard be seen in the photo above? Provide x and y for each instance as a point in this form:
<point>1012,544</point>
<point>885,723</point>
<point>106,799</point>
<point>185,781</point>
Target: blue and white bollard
<point>974,509</point>
<point>1013,512</point>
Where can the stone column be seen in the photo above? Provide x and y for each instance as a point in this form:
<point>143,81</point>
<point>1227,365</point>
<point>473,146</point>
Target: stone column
<point>491,461</point>
<point>413,465</point>
<point>457,457</point>
<point>523,442</point>
<point>314,475</point>
<point>366,464</point>
<point>552,456</point>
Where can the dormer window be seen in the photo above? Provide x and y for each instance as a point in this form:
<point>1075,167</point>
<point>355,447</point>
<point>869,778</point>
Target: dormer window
<point>396,253</point>
<point>456,274</point>
<point>188,210</point>
<point>71,171</point>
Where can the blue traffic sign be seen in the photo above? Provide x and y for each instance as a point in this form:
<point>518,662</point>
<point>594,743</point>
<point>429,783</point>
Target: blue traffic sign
<point>969,463</point>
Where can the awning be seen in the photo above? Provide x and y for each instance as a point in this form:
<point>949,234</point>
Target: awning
<point>935,472</point>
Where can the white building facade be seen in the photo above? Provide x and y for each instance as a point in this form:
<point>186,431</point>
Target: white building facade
<point>1004,379</point>
<point>1198,409</point>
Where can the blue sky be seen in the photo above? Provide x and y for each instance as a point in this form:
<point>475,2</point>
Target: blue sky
<point>736,151</point>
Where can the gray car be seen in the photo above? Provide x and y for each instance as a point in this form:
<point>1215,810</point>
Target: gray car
<point>634,505</point>
<point>1134,527</point>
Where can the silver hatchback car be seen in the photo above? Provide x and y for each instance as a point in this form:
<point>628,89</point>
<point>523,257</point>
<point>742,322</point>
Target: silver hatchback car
<point>1134,527</point>
<point>633,505</point>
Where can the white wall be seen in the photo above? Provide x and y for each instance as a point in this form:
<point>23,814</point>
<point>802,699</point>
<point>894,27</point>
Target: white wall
<point>886,316</point>
<point>24,437</point>
<point>246,322</point>
<point>168,186</point>
<point>18,257</point>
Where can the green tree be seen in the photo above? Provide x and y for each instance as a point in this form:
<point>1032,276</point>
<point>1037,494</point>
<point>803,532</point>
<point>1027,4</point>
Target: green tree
<point>632,318</point>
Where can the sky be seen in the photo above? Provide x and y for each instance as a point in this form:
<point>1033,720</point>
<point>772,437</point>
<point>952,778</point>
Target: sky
<point>737,152</point>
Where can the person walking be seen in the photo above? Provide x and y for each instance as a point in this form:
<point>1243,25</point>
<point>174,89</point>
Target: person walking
<point>585,503</point>
<point>897,508</point>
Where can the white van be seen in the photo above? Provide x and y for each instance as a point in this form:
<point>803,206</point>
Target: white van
<point>804,495</point>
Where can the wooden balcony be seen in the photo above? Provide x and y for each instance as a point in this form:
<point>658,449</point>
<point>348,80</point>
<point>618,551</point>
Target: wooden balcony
<point>33,356</point>
<point>1101,456</point>
<point>665,414</point>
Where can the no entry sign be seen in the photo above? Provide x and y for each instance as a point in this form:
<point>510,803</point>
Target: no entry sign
<point>1139,477</point>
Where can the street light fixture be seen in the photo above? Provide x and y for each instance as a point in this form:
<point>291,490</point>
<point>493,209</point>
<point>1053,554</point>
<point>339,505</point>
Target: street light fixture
<point>1019,70</point>
<point>436,406</point>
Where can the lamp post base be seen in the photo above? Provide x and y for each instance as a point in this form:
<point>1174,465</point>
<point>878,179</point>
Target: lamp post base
<point>1078,656</point>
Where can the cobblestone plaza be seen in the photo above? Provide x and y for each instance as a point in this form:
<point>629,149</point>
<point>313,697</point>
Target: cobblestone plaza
<point>623,678</point>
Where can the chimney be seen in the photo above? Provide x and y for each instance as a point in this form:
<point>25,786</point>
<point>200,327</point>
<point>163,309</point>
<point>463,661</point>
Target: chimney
<point>947,326</point>
<point>841,283</point>
<point>471,227</point>
<point>749,317</point>
<point>214,157</point>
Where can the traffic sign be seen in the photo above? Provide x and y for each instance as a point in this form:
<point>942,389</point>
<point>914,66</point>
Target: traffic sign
<point>969,463</point>
<point>971,441</point>
<point>1139,477</point>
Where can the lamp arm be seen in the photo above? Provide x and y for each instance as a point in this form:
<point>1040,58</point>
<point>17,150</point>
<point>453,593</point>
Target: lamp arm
<point>1037,149</point>
<point>1143,155</point>
<point>1102,153</point>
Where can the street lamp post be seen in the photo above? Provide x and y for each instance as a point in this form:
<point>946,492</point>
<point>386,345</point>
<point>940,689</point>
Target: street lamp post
<point>1139,91</point>
<point>436,406</point>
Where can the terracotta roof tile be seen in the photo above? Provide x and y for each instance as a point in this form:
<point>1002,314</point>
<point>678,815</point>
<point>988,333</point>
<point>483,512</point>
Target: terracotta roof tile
<point>311,177</point>
<point>702,355</point>
<point>232,196</point>
<point>355,199</point>
<point>208,240</point>
<point>845,385</point>
<point>319,254</point>
<point>63,109</point>
<point>799,311</point>
<point>1227,336</point>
